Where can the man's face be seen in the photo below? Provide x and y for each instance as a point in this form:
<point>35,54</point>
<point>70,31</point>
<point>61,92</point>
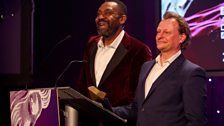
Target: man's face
<point>168,38</point>
<point>108,19</point>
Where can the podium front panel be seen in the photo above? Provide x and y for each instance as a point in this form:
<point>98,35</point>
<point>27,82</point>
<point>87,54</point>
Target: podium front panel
<point>37,107</point>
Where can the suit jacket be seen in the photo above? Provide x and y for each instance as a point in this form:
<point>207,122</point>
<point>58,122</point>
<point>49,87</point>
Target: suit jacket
<point>120,77</point>
<point>176,98</point>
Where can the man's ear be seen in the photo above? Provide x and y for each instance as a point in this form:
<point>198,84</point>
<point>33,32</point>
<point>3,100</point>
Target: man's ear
<point>182,38</point>
<point>123,19</point>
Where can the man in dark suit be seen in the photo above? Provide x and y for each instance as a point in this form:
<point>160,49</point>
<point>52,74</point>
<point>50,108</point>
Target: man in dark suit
<point>114,58</point>
<point>171,90</point>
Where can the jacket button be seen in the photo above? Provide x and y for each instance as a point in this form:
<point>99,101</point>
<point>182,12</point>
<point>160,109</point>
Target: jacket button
<point>142,109</point>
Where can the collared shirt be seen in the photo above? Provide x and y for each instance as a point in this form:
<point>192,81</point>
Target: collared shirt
<point>157,70</point>
<point>104,55</point>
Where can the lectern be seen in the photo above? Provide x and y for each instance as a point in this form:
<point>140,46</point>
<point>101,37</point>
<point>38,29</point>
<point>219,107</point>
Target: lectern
<point>40,107</point>
<point>95,110</point>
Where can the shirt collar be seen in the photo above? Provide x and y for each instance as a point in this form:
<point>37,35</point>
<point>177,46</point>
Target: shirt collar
<point>171,59</point>
<point>115,43</point>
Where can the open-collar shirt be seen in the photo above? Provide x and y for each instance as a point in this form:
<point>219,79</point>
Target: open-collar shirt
<point>104,55</point>
<point>157,70</point>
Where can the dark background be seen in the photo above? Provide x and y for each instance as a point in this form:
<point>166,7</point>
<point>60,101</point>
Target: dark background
<point>52,33</point>
<point>53,24</point>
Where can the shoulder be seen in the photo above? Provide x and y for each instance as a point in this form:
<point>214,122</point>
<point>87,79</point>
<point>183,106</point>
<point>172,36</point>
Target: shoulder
<point>94,39</point>
<point>148,63</point>
<point>133,43</point>
<point>192,67</point>
<point>132,40</point>
<point>182,62</point>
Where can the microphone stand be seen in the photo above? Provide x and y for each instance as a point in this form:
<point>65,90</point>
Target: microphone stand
<point>66,68</point>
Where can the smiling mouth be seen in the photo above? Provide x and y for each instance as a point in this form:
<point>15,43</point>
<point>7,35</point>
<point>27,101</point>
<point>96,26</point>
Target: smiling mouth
<point>102,24</point>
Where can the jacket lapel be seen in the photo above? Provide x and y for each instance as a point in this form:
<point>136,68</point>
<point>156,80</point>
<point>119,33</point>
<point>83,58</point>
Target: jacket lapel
<point>115,60</point>
<point>119,54</point>
<point>160,80</point>
<point>91,64</point>
<point>142,78</point>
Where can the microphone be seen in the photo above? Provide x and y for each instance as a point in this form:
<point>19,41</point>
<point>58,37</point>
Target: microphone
<point>66,37</point>
<point>56,45</point>
<point>66,68</point>
<point>42,63</point>
<point>40,68</point>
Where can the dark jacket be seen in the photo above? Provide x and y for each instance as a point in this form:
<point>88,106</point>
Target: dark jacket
<point>176,98</point>
<point>120,77</point>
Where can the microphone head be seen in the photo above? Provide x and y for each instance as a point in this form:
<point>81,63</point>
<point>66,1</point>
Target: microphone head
<point>79,61</point>
<point>67,37</point>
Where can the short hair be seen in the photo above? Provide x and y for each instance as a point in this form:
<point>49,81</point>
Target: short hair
<point>183,27</point>
<point>121,5</point>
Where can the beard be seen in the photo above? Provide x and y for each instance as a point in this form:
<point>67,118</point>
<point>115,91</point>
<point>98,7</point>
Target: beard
<point>112,29</point>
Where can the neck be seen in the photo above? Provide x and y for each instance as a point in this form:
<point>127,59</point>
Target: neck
<point>166,55</point>
<point>108,40</point>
